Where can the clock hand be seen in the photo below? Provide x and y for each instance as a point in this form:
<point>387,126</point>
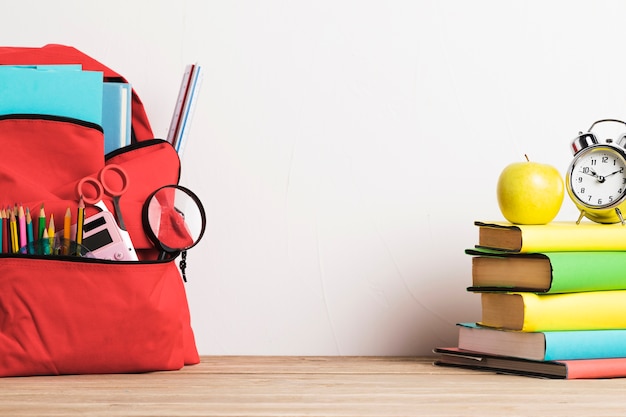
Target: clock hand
<point>591,173</point>
<point>600,178</point>
<point>613,173</point>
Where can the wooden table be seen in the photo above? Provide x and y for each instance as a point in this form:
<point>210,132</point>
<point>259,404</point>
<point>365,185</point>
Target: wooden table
<point>311,386</point>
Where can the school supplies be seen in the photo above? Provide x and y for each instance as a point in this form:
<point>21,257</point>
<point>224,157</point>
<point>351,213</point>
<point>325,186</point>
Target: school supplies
<point>51,91</point>
<point>13,225</point>
<point>174,219</point>
<point>80,220</point>
<point>42,222</point>
<point>113,181</point>
<point>180,124</point>
<point>102,238</point>
<point>29,229</point>
<point>116,115</point>
<point>81,314</point>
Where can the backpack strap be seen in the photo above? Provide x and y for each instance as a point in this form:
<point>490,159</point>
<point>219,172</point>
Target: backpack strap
<point>54,54</point>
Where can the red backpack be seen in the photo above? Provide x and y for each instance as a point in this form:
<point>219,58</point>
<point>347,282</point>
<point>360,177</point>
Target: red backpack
<point>71,314</point>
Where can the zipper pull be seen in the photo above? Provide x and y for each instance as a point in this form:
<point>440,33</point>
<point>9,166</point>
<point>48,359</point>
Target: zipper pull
<point>183,264</point>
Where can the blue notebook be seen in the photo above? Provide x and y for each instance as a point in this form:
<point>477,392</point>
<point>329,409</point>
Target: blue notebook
<point>51,90</point>
<point>116,113</point>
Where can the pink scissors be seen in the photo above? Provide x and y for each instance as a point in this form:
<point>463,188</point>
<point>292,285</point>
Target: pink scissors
<point>113,181</point>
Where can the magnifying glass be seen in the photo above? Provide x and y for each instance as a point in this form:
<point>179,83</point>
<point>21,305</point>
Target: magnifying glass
<point>174,219</point>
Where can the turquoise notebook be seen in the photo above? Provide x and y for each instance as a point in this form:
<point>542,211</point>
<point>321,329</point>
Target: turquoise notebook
<point>48,90</point>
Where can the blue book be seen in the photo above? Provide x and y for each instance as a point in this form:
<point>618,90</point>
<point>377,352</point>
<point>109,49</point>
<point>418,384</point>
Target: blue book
<point>51,90</point>
<point>543,346</point>
<point>116,113</point>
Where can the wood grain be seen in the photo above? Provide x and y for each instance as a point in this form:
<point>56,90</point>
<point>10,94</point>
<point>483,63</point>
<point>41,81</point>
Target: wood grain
<point>311,386</point>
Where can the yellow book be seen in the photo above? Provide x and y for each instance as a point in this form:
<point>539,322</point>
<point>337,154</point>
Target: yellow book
<point>551,237</point>
<point>529,312</point>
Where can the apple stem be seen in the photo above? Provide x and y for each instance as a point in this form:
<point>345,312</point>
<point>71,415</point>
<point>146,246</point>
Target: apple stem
<point>526,156</point>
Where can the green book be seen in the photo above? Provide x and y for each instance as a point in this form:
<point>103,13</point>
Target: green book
<point>548,272</point>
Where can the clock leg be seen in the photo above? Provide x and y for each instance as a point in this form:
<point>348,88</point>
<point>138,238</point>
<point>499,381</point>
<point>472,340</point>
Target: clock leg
<point>582,214</point>
<point>619,214</point>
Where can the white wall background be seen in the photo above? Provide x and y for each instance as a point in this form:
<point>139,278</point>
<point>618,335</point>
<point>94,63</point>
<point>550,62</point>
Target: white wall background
<point>343,149</point>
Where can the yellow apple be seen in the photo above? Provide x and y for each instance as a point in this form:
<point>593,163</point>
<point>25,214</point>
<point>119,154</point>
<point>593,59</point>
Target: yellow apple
<point>530,192</point>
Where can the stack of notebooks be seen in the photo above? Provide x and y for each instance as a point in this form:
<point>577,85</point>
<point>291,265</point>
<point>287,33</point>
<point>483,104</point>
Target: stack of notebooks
<point>71,92</point>
<point>553,301</point>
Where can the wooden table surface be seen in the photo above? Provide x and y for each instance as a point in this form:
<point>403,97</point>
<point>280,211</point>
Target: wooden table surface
<point>310,386</point>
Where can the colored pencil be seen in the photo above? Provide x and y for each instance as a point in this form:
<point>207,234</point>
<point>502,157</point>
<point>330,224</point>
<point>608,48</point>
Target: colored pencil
<point>51,233</point>
<point>80,222</point>
<point>67,224</point>
<point>21,216</point>
<point>45,242</point>
<point>29,231</point>
<point>2,231</point>
<point>5,231</point>
<point>42,222</point>
<point>13,226</point>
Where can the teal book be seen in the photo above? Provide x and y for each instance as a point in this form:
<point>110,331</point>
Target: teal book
<point>543,346</point>
<point>547,272</point>
<point>116,115</point>
<point>56,91</point>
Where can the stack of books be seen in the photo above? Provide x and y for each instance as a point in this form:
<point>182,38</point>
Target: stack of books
<point>553,301</point>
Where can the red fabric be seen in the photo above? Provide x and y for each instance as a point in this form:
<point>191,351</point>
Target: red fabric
<point>75,317</point>
<point>84,315</point>
<point>61,54</point>
<point>35,160</point>
<point>172,230</point>
<point>149,166</point>
<point>35,170</point>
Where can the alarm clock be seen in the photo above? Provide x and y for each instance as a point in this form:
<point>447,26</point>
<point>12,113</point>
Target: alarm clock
<point>596,178</point>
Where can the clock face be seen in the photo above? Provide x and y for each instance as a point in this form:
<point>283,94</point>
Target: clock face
<point>598,177</point>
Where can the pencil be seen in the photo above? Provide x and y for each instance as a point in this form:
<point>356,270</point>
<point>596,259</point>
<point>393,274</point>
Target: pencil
<point>17,226</point>
<point>67,224</point>
<point>9,210</point>
<point>13,225</point>
<point>5,231</point>
<point>45,242</point>
<point>29,231</point>
<point>2,232</point>
<point>21,216</point>
<point>42,222</point>
<point>51,233</point>
<point>80,222</point>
